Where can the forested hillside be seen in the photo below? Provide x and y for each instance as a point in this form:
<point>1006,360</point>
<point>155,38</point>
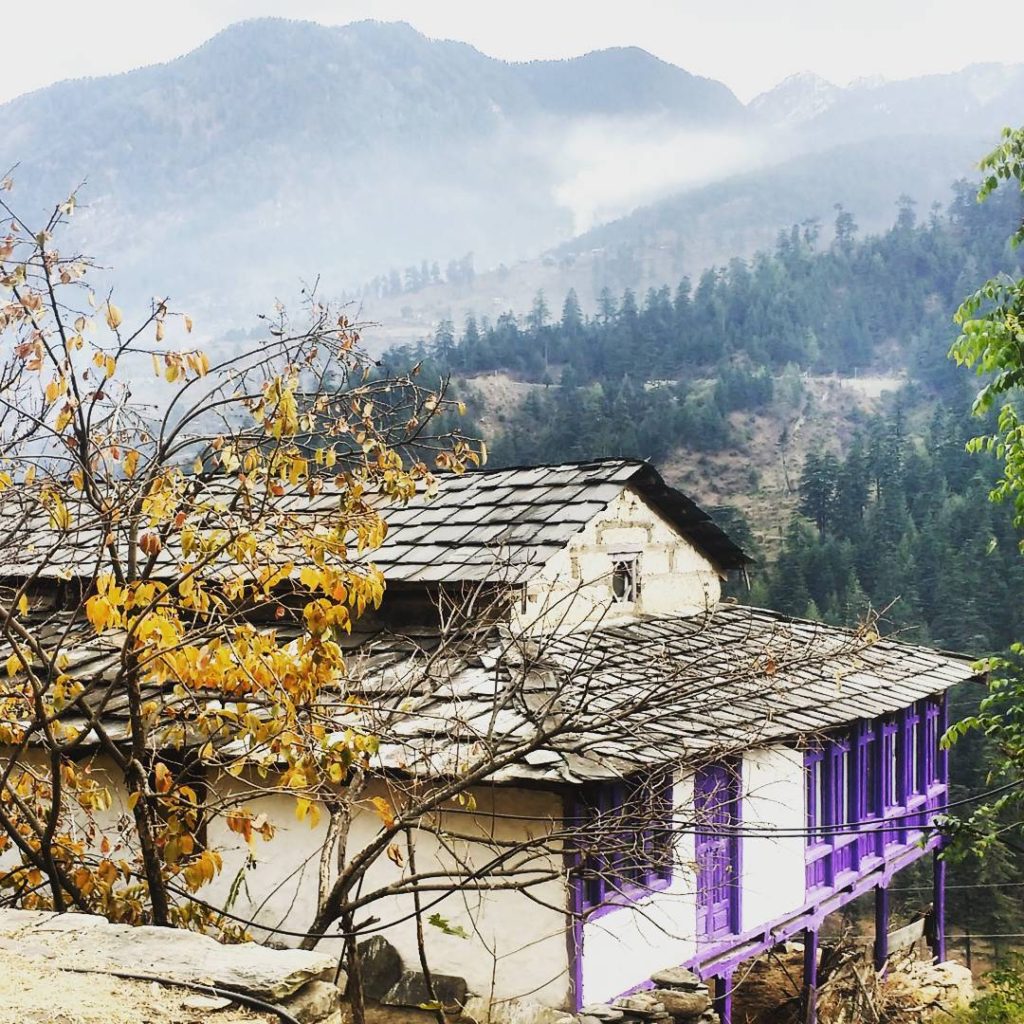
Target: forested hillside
<point>893,516</point>
<point>642,375</point>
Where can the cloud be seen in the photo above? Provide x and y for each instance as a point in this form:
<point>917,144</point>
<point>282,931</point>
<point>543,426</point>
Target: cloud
<point>609,166</point>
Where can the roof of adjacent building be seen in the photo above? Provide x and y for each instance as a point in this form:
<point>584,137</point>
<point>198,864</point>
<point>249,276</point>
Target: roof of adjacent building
<point>513,521</point>
<point>671,689</point>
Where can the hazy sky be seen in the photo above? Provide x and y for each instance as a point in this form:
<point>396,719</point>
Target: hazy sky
<point>748,44</point>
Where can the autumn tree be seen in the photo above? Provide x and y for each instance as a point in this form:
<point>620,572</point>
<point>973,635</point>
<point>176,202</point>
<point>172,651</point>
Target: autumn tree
<point>200,536</point>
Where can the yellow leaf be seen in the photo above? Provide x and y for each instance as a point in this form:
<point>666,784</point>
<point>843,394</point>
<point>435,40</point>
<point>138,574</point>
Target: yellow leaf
<point>23,604</point>
<point>131,461</point>
<point>159,332</point>
<point>133,799</point>
<point>13,665</point>
<point>30,474</point>
<point>114,317</point>
<point>384,810</point>
<point>188,324</point>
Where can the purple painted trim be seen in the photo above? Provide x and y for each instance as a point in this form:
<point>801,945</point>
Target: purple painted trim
<point>881,946</point>
<point>723,997</point>
<point>943,726</point>
<point>939,905</point>
<point>736,910</point>
<point>874,775</point>
<point>729,953</point>
<point>618,882</point>
<point>629,896</point>
<point>810,987</point>
<point>574,932</point>
<point>718,807</point>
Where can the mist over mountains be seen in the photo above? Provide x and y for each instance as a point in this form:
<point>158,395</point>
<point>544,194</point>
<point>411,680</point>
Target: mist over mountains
<point>279,151</point>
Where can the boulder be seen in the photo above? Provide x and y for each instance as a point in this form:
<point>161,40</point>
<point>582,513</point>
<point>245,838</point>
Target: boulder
<point>685,1004</point>
<point>380,967</point>
<point>314,1002</point>
<point>173,954</point>
<point>411,990</point>
<point>677,977</point>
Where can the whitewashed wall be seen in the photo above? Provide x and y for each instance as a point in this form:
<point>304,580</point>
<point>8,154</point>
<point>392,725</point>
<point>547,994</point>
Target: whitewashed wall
<point>622,948</point>
<point>517,946</point>
<point>518,949</point>
<point>575,585</point>
<point>773,877</point>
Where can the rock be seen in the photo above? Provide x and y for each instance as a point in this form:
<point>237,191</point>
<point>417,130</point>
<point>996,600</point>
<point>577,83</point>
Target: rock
<point>314,1002</point>
<point>198,1002</point>
<point>380,967</point>
<point>72,922</point>
<point>411,990</point>
<point>642,1005</point>
<point>685,1004</point>
<point>677,977</point>
<point>602,1012</point>
<point>177,955</point>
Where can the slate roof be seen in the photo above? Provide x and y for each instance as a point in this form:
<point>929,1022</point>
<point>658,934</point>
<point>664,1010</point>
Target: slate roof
<point>680,689</point>
<point>511,521</point>
<point>666,689</point>
<point>499,525</point>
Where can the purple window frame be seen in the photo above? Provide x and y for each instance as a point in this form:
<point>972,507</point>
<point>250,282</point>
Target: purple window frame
<point>890,773</point>
<point>842,800</point>
<point>711,834</point>
<point>603,885</point>
<point>868,791</point>
<point>817,848</point>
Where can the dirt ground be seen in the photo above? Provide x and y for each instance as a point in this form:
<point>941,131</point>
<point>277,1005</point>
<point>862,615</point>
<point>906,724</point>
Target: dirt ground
<point>34,993</point>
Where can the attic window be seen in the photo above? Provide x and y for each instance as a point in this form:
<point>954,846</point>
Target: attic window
<point>625,579</point>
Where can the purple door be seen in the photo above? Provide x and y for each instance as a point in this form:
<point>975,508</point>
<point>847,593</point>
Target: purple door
<point>716,805</point>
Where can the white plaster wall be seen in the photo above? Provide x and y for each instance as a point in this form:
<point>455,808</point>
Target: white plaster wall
<point>517,946</point>
<point>622,948</point>
<point>575,585</point>
<point>772,868</point>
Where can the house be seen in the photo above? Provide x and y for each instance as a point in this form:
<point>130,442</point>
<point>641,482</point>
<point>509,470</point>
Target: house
<point>658,777</point>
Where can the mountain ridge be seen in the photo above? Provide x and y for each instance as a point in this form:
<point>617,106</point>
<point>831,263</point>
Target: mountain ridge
<point>280,150</point>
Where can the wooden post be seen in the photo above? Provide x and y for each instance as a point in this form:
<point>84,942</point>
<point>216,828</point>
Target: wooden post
<point>723,997</point>
<point>810,976</point>
<point>939,905</point>
<point>881,928</point>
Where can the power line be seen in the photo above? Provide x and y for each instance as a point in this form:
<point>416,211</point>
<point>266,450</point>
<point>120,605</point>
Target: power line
<point>965,885</point>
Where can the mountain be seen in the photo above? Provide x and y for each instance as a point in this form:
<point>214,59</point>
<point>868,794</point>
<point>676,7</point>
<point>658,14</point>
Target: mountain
<point>280,150</point>
<point>283,152</point>
<point>796,99</point>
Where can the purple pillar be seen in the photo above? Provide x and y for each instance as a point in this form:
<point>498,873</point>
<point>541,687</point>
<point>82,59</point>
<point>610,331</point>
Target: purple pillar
<point>939,905</point>
<point>723,998</point>
<point>881,927</point>
<point>810,976</point>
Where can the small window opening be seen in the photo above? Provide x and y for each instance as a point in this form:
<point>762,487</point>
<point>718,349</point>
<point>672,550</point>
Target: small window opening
<point>625,579</point>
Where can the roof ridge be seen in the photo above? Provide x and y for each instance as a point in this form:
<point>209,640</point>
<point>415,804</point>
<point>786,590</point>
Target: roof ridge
<point>570,464</point>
